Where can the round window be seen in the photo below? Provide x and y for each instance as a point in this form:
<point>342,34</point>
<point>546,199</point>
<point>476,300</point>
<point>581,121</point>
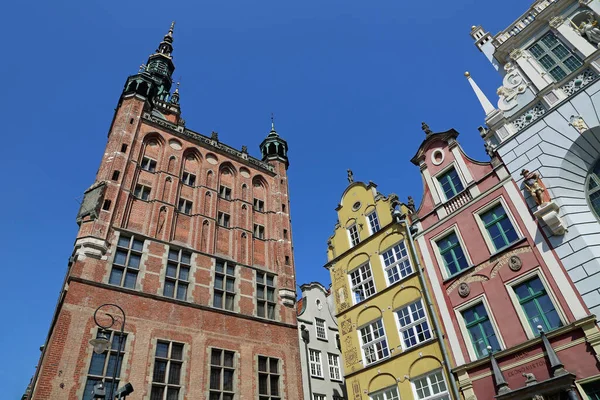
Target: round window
<point>356,206</point>
<point>437,157</point>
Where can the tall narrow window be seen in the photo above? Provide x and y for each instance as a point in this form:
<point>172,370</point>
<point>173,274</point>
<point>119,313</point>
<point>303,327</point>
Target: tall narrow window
<point>222,374</point>
<point>499,228</point>
<point>166,378</point>
<point>126,264</point>
<point>361,280</point>
<point>481,331</point>
<point>177,274</point>
<point>373,342</point>
<point>452,254</point>
<point>225,192</point>
<point>259,205</point>
<point>223,219</point>
<point>188,179</point>
<point>265,295</point>
<point>320,328</point>
<point>142,192</point>
<point>185,206</point>
<point>592,390</point>
<point>103,366</point>
<point>285,234</point>
<point>396,263</point>
<point>555,57</point>
<point>259,231</point>
<point>224,290</point>
<point>148,164</point>
<point>268,378</point>
<point>431,387</point>
<point>414,327</point>
<point>537,305</point>
<point>593,189</point>
<point>451,184</point>
<point>115,175</point>
<point>353,235</point>
<point>373,222</point>
<point>390,393</point>
<point>334,367</point>
<point>315,363</point>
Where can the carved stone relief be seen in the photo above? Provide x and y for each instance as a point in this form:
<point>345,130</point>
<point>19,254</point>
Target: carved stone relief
<point>515,263</point>
<point>351,353</point>
<point>513,85</point>
<point>464,290</point>
<point>578,123</point>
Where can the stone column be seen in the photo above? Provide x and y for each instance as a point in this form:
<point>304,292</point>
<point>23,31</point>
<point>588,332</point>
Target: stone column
<point>531,69</point>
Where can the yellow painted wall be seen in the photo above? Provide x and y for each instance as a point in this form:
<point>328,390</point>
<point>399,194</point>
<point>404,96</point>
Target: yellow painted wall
<point>357,202</point>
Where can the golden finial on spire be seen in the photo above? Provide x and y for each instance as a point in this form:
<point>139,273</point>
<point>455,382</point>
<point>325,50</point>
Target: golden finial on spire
<point>467,74</point>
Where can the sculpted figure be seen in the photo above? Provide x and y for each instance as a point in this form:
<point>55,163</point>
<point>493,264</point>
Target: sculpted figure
<point>589,29</point>
<point>350,176</point>
<point>532,183</point>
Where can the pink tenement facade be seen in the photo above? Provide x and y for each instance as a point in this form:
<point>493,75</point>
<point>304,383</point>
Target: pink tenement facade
<point>497,285</point>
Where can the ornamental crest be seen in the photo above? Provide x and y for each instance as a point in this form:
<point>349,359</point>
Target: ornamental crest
<point>513,85</point>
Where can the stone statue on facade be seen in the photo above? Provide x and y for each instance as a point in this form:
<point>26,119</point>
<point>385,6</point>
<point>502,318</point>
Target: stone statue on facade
<point>533,184</point>
<point>425,128</point>
<point>214,136</point>
<point>411,205</point>
<point>350,176</point>
<point>589,29</point>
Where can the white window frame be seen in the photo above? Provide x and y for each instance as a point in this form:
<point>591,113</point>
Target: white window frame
<point>438,185</point>
<point>368,218</point>
<point>486,236</point>
<point>427,376</point>
<point>314,359</point>
<point>384,393</point>
<point>397,262</point>
<point>482,299</point>
<point>317,396</point>
<point>413,324</point>
<point>362,283</point>
<point>537,272</point>
<point>372,343</point>
<point>335,372</point>
<point>317,320</point>
<point>438,255</point>
<point>350,240</point>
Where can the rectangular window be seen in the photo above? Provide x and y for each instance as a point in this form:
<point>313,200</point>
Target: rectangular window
<point>320,328</point>
<point>103,365</point>
<point>537,305</point>
<point>396,263</point>
<point>592,390</point>
<point>115,175</point>
<point>414,327</point>
<point>390,393</point>
<point>317,396</point>
<point>142,192</point>
<point>555,57</point>
<point>268,378</point>
<point>126,263</point>
<point>148,164</point>
<point>499,228</point>
<point>259,205</point>
<point>353,234</point>
<point>373,222</point>
<point>361,280</point>
<point>451,184</point>
<point>185,206</point>
<point>166,377</point>
<point>481,331</point>
<point>224,290</point>
<point>452,254</point>
<point>374,343</point>
<point>315,363</point>
<point>222,374</point>
<point>265,295</point>
<point>287,260</point>
<point>225,192</point>
<point>334,367</point>
<point>285,235</point>
<point>223,219</point>
<point>188,179</point>
<point>259,231</point>
<point>178,274</point>
<point>431,386</point>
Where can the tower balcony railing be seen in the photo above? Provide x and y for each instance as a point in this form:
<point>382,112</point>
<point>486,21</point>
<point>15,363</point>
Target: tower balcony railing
<point>516,27</point>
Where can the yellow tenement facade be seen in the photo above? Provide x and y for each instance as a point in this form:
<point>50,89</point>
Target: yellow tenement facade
<point>390,346</point>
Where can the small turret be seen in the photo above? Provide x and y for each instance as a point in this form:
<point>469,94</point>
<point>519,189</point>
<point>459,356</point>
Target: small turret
<point>274,147</point>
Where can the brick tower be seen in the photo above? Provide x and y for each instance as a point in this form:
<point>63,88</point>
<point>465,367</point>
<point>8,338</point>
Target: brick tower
<point>192,238</point>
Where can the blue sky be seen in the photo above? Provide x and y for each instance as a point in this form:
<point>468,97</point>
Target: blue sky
<point>349,83</point>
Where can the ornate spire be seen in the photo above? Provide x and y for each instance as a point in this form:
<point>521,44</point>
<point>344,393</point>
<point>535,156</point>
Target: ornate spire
<point>175,96</point>
<point>501,385</point>
<point>483,100</point>
<point>166,46</point>
<point>273,131</point>
<point>274,147</point>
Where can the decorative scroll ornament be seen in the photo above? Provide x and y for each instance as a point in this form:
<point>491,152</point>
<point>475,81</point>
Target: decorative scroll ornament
<point>513,85</point>
<point>515,263</point>
<point>464,290</point>
<point>578,123</point>
<point>582,79</point>
<point>555,22</point>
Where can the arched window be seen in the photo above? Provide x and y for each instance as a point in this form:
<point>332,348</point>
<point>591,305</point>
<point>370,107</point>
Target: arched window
<point>593,187</point>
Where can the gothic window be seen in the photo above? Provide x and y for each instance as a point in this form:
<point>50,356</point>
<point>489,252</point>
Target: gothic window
<point>593,188</point>
<point>188,178</point>
<point>554,56</point>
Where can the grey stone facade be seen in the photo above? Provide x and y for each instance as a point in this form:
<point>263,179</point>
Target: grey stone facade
<point>317,304</point>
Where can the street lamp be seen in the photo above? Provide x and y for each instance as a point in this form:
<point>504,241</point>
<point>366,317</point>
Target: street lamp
<point>102,342</point>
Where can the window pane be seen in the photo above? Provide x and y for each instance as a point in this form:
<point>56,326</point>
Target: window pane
<point>184,273</point>
<point>219,282</point>
<point>137,245</point>
<point>269,280</point>
<point>273,365</point>
<point>130,278</point>
<point>215,378</point>
<point>171,270</point>
<point>173,393</point>
<point>218,300</point>
<point>263,384</point>
<point>182,291</point>
<point>228,359</point>
<point>134,260</point>
<point>97,364</point>
<point>173,255</point>
<point>229,302</point>
<point>157,393</point>
<point>219,266</point>
<point>120,257</point>
<point>274,385</point>
<point>160,370</point>
<point>162,349</point>
<point>169,289</point>
<point>228,380</point>
<point>174,373</point>
<point>260,309</point>
<point>115,276</point>
<point>230,285</point>
<point>262,364</point>
<point>177,351</point>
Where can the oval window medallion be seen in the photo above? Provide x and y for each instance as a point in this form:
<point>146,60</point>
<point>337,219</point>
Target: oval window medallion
<point>464,289</point>
<point>175,144</point>
<point>356,206</point>
<point>437,157</point>
<point>211,159</point>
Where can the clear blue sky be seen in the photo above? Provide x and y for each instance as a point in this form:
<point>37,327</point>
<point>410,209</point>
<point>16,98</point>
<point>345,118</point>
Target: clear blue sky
<point>349,82</point>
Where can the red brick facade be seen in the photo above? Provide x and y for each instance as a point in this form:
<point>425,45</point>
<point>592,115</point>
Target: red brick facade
<point>136,133</point>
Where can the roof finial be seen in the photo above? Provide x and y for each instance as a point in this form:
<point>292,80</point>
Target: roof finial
<point>170,33</point>
<point>166,46</point>
<point>273,122</point>
<point>425,128</point>
<point>350,176</point>
<point>485,103</point>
